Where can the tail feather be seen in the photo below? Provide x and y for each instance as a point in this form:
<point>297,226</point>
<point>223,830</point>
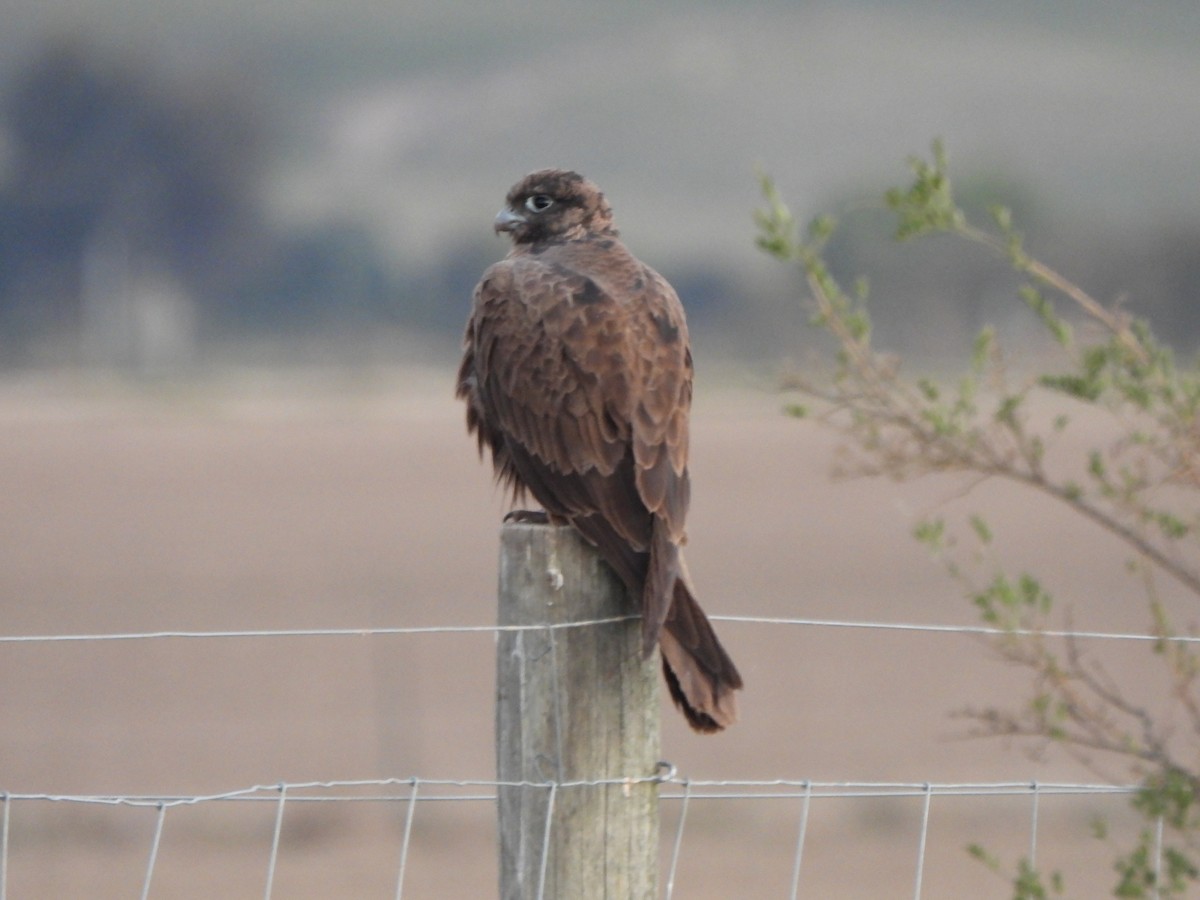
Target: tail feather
<point>699,673</point>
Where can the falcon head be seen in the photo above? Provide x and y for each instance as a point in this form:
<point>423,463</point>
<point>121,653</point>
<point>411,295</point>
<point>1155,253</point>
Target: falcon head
<point>554,205</point>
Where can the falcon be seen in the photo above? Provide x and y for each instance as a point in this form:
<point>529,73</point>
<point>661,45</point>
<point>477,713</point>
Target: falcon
<point>577,377</point>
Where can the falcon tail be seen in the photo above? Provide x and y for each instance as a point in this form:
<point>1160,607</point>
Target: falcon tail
<point>699,673</point>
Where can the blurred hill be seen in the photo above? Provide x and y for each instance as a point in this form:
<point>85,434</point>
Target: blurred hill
<point>334,168</point>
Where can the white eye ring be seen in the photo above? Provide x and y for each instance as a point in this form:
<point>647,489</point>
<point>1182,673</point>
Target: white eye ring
<point>539,203</point>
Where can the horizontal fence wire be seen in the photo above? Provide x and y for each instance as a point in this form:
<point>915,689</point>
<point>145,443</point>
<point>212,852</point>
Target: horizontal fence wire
<point>384,631</point>
<point>433,790</point>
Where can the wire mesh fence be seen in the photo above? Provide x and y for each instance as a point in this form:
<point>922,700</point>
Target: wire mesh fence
<point>405,795</point>
<point>693,810</point>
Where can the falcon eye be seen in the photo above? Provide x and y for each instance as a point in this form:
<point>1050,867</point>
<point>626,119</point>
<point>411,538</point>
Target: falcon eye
<point>539,203</point>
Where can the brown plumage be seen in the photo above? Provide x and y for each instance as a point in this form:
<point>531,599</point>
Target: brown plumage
<point>578,378</point>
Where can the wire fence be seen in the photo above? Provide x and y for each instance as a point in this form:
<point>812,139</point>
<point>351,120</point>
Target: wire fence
<point>676,789</point>
<point>414,791</point>
<point>972,630</point>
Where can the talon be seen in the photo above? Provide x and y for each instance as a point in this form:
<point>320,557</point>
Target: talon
<point>528,517</point>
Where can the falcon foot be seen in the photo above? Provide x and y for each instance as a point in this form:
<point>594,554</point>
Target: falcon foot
<point>528,517</point>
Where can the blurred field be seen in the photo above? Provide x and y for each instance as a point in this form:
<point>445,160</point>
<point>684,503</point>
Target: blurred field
<point>300,502</point>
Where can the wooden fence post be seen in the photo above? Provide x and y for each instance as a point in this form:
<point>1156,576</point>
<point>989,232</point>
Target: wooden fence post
<point>572,704</point>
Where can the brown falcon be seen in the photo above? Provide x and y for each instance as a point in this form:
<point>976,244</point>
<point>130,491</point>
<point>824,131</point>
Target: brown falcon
<point>578,377</point>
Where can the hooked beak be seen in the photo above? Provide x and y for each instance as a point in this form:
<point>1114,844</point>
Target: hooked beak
<point>507,220</point>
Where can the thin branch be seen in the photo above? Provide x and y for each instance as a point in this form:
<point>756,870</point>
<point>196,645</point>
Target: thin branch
<point>1116,323</point>
<point>1184,575</point>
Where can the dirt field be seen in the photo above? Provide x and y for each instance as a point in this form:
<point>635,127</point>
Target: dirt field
<point>295,502</point>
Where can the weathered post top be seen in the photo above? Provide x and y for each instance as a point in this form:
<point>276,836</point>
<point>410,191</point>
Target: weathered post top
<point>573,704</point>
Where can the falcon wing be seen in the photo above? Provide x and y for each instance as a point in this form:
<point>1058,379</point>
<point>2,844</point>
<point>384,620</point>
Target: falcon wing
<point>582,392</point>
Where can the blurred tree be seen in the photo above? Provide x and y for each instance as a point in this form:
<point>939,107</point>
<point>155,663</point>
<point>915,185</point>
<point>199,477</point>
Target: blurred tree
<point>330,277</point>
<point>116,174</point>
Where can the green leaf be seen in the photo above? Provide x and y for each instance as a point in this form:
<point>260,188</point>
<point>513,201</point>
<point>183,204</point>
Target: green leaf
<point>1073,385</point>
<point>1171,525</point>
<point>862,287</point>
<point>776,225</point>
<point>982,531</point>
<point>1002,216</point>
<point>980,853</point>
<point>1006,412</point>
<point>931,533</point>
<point>821,228</point>
<point>928,206</point>
<point>1037,301</point>
<point>981,350</point>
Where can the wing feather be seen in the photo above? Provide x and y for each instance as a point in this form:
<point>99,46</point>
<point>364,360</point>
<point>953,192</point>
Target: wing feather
<point>579,379</point>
